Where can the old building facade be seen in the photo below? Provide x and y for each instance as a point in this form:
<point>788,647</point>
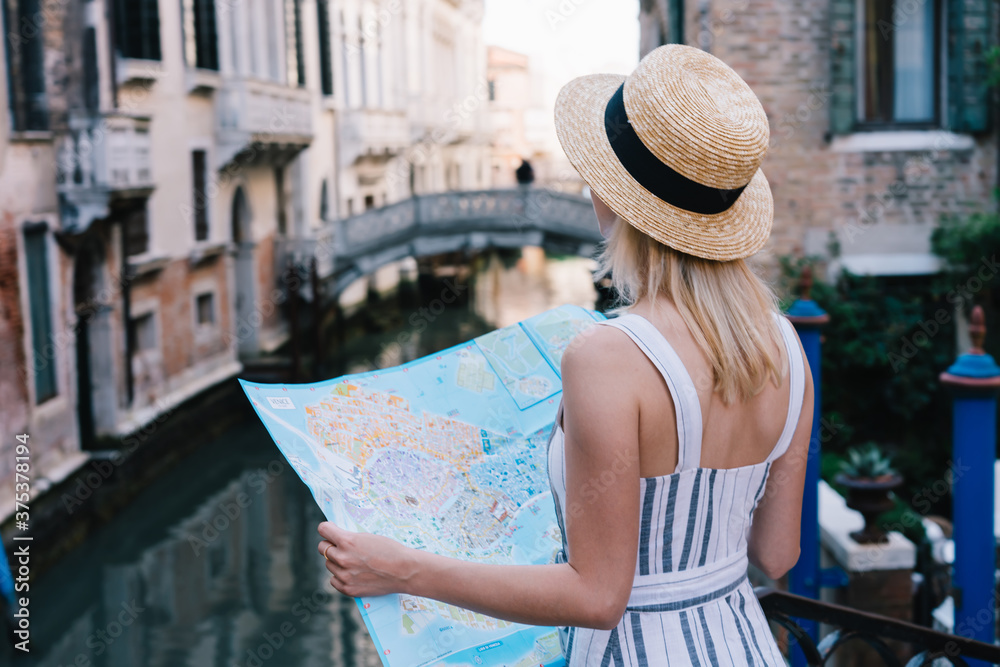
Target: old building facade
<point>409,81</point>
<point>879,112</point>
<point>160,162</point>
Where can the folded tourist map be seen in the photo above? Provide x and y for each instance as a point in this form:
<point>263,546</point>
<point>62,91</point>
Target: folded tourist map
<point>446,453</point>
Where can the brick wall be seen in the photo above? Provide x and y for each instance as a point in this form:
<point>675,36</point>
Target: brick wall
<point>173,288</point>
<point>269,279</point>
<point>13,386</point>
<point>872,198</point>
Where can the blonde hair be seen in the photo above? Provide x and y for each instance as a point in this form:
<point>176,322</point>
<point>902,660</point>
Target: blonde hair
<point>726,306</point>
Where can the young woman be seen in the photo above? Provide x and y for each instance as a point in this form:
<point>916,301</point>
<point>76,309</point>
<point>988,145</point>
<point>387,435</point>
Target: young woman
<point>697,399</point>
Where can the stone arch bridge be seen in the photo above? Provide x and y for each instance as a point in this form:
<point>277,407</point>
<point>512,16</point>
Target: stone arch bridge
<point>426,225</point>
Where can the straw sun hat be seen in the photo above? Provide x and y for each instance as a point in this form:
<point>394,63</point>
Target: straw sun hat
<point>675,150</point>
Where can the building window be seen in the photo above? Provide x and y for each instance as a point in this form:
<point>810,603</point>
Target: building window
<point>136,232</point>
<point>324,202</point>
<point>361,59</point>
<point>199,194</point>
<point>898,63</point>
<point>293,43</point>
<point>369,202</point>
<point>281,200</point>
<point>200,38</point>
<point>325,47</point>
<point>142,329</point>
<point>137,29</point>
<point>25,65</point>
<point>91,74</point>
<point>380,67</point>
<point>39,297</point>
<point>205,309</point>
<point>345,59</point>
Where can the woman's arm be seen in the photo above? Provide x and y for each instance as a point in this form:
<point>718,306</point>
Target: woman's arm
<point>602,517</point>
<point>773,542</point>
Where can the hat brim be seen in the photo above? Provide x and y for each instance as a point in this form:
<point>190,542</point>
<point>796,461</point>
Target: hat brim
<point>737,232</point>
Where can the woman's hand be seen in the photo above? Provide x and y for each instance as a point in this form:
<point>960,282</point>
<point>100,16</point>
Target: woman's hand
<point>364,565</point>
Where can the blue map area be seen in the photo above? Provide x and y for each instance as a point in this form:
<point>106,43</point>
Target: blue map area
<point>447,454</point>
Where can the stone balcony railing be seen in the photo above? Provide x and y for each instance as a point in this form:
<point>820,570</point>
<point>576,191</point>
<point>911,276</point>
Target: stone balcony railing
<point>102,156</point>
<point>255,118</point>
<point>372,132</point>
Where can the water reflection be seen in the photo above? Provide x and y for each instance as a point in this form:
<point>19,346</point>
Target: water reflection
<point>214,564</point>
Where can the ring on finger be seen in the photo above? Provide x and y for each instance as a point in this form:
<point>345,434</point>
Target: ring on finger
<point>325,554</point>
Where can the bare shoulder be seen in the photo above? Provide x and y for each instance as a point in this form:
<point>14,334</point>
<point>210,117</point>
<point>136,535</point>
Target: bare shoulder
<point>597,347</point>
<point>603,356</point>
<point>600,393</point>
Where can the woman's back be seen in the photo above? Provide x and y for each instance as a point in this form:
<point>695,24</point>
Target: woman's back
<point>735,435</point>
<point>697,500</point>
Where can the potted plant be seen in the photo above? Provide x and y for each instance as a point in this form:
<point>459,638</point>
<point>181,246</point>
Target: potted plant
<point>868,475</point>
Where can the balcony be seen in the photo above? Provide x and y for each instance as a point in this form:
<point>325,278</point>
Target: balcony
<point>372,133</point>
<point>261,121</point>
<point>101,158</point>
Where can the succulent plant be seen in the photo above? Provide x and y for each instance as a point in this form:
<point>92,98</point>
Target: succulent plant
<point>867,461</point>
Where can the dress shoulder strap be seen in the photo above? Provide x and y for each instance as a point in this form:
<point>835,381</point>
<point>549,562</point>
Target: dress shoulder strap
<point>682,390</point>
<point>796,389</point>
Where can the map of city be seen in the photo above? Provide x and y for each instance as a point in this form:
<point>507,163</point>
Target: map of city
<point>447,454</point>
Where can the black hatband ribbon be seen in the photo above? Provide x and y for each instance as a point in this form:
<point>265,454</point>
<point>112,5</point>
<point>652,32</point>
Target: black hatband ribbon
<point>651,173</point>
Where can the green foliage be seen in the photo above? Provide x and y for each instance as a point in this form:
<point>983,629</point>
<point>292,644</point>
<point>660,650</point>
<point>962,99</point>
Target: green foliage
<point>993,66</point>
<point>964,243</point>
<point>904,519</point>
<point>887,341</point>
<point>867,461</point>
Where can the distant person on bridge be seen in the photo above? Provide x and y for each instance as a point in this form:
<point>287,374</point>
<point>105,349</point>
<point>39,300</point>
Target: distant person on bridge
<point>682,418</point>
<point>525,174</point>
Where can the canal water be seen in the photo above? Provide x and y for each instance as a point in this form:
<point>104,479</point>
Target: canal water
<point>215,564</point>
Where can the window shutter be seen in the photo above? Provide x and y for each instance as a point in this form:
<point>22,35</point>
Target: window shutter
<point>968,41</point>
<point>205,34</point>
<point>675,22</point>
<point>300,61</point>
<point>842,70</point>
<point>325,46</point>
<point>36,256</point>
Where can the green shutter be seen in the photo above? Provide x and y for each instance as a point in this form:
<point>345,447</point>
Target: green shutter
<point>36,259</point>
<point>968,41</point>
<point>842,67</point>
<point>676,22</point>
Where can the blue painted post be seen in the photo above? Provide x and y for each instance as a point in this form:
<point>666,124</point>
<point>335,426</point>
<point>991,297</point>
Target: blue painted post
<point>804,579</point>
<point>974,379</point>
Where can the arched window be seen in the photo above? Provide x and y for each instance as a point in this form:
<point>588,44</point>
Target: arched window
<point>241,217</point>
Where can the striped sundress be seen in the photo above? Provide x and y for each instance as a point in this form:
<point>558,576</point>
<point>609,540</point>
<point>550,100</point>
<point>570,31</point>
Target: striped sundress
<point>691,601</point>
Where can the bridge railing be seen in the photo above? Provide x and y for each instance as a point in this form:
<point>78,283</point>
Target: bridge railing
<point>852,625</point>
<point>321,244</point>
<point>517,210</point>
<point>351,247</point>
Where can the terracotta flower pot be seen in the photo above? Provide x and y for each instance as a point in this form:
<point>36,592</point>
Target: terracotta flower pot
<point>870,496</point>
